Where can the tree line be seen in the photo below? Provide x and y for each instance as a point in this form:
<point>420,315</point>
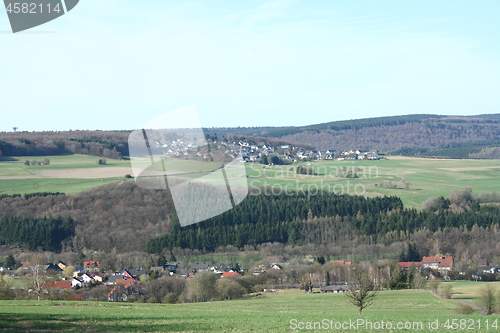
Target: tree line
<point>108,144</point>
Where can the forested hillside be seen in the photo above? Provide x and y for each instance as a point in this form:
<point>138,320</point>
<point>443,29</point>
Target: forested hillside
<point>123,218</point>
<point>109,144</point>
<point>413,135</point>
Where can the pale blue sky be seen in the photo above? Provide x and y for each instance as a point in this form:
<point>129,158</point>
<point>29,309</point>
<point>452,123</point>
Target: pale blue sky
<point>115,64</point>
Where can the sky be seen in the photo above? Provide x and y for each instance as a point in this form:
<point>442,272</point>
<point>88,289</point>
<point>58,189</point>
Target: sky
<point>116,64</point>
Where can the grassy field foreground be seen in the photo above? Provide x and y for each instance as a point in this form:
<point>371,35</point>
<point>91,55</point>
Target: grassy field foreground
<point>281,311</point>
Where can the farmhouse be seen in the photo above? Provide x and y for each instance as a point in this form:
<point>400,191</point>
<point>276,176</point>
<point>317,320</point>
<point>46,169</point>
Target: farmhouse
<point>337,288</point>
<point>438,263</point>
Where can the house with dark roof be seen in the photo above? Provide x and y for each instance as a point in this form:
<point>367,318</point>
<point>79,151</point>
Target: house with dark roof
<point>336,288</point>
<point>113,278</point>
<point>62,266</point>
<point>200,266</point>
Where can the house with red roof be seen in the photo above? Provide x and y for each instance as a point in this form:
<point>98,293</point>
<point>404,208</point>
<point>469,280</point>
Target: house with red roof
<point>92,266</point>
<point>57,285</point>
<point>439,263</point>
<point>407,264</point>
<point>121,292</point>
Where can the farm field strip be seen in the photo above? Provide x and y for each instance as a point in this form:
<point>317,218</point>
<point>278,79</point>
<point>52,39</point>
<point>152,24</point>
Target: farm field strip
<point>425,177</point>
<point>272,312</point>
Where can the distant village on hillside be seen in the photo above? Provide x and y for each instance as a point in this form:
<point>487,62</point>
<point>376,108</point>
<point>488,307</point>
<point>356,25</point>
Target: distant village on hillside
<point>224,150</point>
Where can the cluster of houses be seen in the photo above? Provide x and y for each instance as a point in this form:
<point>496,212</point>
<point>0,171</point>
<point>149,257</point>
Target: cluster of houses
<point>441,264</point>
<point>125,282</point>
<point>358,155</point>
<point>444,264</point>
<point>255,153</point>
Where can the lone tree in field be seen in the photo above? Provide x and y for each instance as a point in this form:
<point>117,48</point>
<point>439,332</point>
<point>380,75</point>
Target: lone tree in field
<point>361,288</point>
<point>305,283</point>
<point>487,298</point>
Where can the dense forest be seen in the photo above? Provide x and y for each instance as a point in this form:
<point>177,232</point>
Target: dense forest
<point>327,219</point>
<point>275,218</point>
<point>123,218</point>
<point>413,135</point>
<point>45,234</point>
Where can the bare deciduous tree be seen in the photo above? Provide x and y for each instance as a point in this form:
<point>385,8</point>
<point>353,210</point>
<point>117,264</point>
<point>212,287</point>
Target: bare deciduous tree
<point>487,298</point>
<point>38,275</point>
<point>202,287</point>
<point>434,284</point>
<point>361,288</point>
<point>305,283</point>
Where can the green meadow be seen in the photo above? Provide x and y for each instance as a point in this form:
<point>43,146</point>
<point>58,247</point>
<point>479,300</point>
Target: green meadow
<point>470,291</point>
<point>72,174</point>
<point>425,177</point>
<point>411,179</point>
<point>281,311</point>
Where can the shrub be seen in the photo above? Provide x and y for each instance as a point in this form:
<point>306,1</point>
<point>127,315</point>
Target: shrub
<point>464,309</point>
<point>258,288</point>
<point>229,289</point>
<point>170,298</point>
<point>447,291</point>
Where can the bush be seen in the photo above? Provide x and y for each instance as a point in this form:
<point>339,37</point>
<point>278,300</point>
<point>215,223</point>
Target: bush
<point>170,298</point>
<point>446,291</point>
<point>229,289</point>
<point>464,309</point>
<point>304,170</point>
<point>135,299</point>
<point>128,176</point>
<point>258,288</point>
